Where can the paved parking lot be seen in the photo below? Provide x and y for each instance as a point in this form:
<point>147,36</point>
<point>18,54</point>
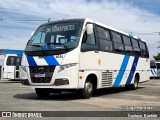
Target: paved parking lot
<point>15,98</point>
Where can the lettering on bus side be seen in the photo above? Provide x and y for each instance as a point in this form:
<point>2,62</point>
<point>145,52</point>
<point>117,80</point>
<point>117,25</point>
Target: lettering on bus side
<point>59,56</point>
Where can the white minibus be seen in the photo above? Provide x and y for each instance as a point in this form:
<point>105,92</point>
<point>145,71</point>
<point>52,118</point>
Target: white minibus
<point>83,55</point>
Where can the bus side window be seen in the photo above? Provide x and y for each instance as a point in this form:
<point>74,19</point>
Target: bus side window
<point>118,45</point>
<point>144,51</point>
<point>136,48</point>
<point>88,42</point>
<point>18,61</point>
<point>11,61</point>
<point>127,45</point>
<point>105,39</point>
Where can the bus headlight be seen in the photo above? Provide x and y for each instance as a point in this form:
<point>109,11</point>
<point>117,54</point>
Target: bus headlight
<point>63,67</point>
<point>24,68</point>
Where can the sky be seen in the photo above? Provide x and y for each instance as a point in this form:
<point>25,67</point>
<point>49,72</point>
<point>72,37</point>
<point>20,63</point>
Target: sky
<point>132,16</point>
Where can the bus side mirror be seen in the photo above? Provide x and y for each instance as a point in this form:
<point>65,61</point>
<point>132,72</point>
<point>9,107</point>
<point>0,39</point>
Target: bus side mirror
<point>89,29</point>
<point>28,42</point>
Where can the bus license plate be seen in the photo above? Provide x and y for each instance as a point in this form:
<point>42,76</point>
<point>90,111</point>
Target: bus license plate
<point>39,75</point>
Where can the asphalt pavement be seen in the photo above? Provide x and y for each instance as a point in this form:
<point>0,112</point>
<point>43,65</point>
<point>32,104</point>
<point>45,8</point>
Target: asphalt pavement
<point>13,97</point>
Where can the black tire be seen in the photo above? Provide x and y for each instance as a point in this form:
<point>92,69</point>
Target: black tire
<point>42,93</point>
<point>87,91</point>
<point>133,86</point>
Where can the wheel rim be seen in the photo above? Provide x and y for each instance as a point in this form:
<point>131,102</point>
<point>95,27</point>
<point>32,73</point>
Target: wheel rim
<point>88,87</point>
<point>135,83</point>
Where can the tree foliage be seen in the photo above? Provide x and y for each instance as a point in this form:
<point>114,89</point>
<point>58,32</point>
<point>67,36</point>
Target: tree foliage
<point>157,57</point>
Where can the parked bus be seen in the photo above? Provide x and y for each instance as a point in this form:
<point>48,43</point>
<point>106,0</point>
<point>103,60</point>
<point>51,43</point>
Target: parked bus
<point>158,69</point>
<point>155,69</point>
<point>9,66</point>
<point>83,55</point>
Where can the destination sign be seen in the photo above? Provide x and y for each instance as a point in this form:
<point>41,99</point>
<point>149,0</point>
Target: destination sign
<point>57,28</point>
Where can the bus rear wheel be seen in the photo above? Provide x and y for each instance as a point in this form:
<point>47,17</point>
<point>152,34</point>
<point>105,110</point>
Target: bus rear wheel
<point>87,91</point>
<point>42,93</point>
<point>134,86</point>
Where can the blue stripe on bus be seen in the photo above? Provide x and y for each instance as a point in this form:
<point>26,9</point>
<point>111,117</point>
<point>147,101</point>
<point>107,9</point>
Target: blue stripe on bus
<point>31,61</point>
<point>155,71</point>
<point>133,69</point>
<point>152,72</point>
<point>51,60</point>
<point>121,71</point>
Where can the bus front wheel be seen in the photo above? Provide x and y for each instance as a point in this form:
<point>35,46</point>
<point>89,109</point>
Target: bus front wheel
<point>42,93</point>
<point>87,90</point>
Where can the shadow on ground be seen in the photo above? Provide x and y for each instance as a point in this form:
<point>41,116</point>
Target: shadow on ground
<point>72,95</point>
<point>9,81</point>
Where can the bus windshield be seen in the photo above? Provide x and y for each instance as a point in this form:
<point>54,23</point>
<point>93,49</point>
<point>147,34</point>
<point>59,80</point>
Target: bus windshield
<point>13,61</point>
<point>55,37</point>
<point>152,64</point>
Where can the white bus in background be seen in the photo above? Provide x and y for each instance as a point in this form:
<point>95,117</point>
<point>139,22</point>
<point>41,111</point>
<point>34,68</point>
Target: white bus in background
<point>9,66</point>
<point>158,68</point>
<point>83,55</point>
<point>155,69</point>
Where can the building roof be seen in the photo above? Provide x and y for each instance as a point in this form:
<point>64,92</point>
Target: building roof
<point>11,51</point>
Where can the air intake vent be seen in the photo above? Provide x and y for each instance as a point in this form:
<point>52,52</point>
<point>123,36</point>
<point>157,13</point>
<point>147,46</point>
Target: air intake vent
<point>107,78</point>
<point>41,80</point>
<point>38,69</point>
<point>46,70</point>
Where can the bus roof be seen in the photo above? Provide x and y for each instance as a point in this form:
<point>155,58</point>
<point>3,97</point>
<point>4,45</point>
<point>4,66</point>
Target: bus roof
<point>98,23</point>
<point>66,20</point>
<point>10,51</point>
<point>114,29</point>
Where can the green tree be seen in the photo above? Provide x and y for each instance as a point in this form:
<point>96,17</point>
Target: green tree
<point>157,57</point>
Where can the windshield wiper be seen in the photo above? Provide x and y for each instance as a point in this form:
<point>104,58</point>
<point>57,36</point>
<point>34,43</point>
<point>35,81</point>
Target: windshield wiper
<point>58,44</point>
<point>37,45</point>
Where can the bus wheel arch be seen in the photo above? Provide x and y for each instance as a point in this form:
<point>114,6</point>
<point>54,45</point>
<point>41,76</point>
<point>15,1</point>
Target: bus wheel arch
<point>89,86</point>
<point>93,79</point>
<point>135,84</point>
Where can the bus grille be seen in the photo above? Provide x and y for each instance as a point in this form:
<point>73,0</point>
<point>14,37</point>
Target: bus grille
<point>41,80</point>
<point>47,70</point>
<point>107,78</point>
<point>38,69</point>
